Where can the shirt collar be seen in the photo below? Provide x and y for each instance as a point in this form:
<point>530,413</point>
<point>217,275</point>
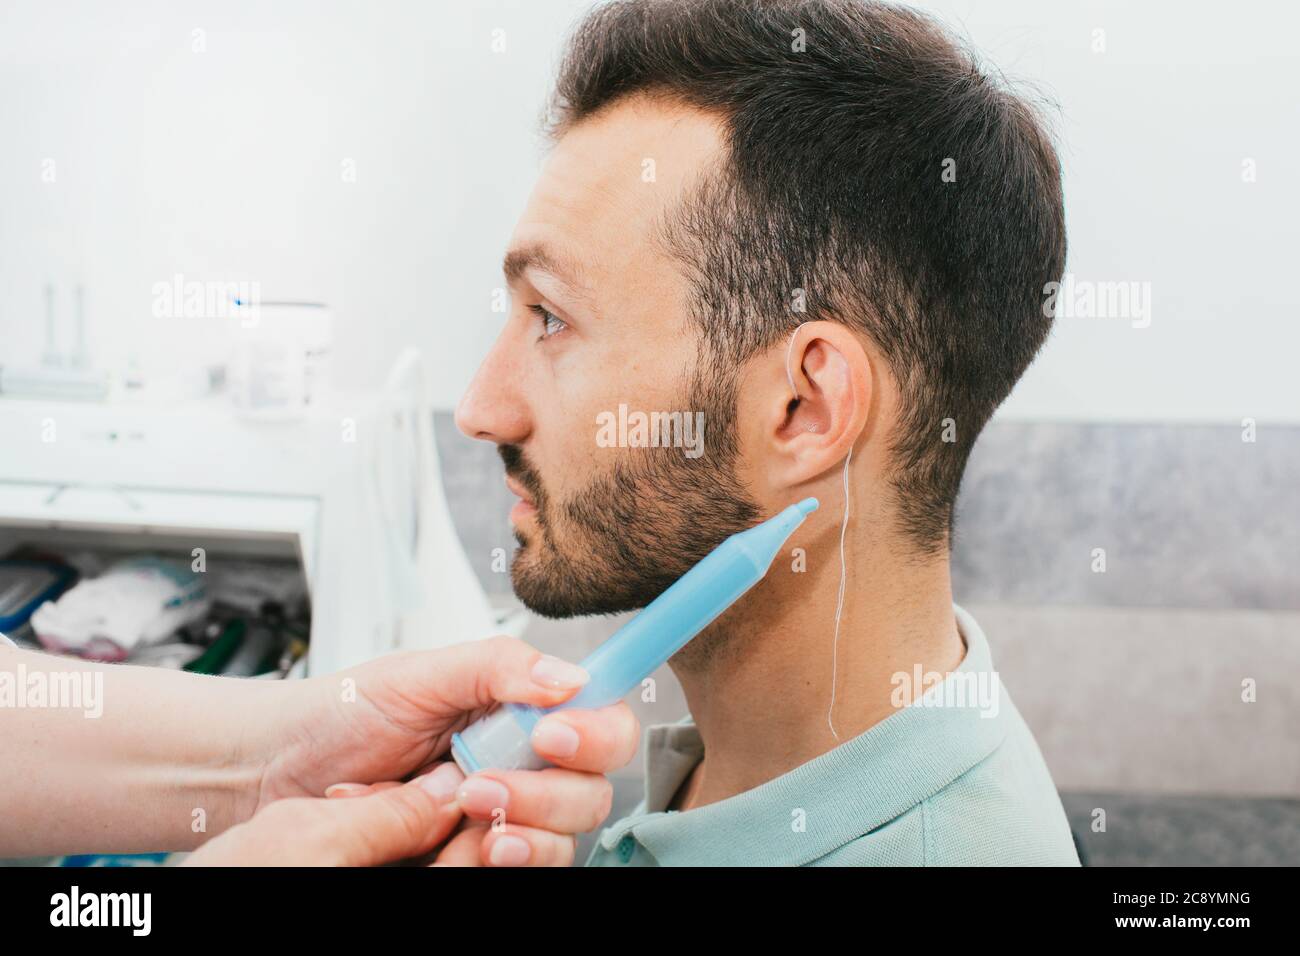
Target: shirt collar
<point>846,792</point>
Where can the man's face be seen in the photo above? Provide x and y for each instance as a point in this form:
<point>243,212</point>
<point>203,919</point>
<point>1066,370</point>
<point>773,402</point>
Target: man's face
<point>598,320</point>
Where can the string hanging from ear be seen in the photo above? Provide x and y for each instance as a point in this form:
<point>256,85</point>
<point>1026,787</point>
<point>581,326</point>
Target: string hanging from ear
<point>839,601</point>
<point>844,526</point>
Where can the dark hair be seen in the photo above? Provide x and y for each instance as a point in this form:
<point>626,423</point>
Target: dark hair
<point>834,187</point>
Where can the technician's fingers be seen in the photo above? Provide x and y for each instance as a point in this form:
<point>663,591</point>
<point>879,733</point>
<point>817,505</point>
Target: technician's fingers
<point>513,845</point>
<point>598,741</point>
<point>341,790</point>
<point>464,849</point>
<point>395,823</point>
<point>565,801</point>
<point>387,824</point>
<point>477,674</point>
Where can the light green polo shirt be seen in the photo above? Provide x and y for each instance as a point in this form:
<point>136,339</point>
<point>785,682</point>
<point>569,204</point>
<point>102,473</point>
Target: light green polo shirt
<point>954,778</point>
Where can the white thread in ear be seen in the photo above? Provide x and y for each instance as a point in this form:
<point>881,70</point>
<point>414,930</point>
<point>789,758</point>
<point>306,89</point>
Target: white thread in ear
<point>844,527</point>
<point>789,350</point>
<point>839,602</point>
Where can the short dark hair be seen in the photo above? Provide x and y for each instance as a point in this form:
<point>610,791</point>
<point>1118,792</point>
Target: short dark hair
<point>834,187</point>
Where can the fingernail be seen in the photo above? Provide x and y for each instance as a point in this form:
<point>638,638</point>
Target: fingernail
<point>553,736</point>
<point>553,673</point>
<point>509,851</point>
<point>441,784</point>
<point>482,795</point>
<point>339,789</point>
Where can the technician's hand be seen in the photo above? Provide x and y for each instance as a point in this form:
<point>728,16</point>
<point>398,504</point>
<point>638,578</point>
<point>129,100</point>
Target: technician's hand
<point>394,823</point>
<point>512,818</point>
<point>393,717</point>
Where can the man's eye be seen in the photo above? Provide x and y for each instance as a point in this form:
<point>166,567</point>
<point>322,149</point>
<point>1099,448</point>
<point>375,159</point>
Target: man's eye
<point>552,324</point>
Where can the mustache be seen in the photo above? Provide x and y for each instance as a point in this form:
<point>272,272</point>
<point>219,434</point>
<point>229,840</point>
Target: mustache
<point>517,467</point>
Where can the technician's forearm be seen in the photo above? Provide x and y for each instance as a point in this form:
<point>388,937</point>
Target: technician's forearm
<point>112,758</point>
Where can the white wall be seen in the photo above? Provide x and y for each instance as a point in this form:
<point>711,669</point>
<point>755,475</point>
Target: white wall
<point>227,164</point>
<point>1154,132</point>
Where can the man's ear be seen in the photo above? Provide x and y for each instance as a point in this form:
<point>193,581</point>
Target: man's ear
<point>818,405</point>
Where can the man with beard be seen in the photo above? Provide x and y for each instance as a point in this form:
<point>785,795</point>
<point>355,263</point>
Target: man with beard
<point>821,225</point>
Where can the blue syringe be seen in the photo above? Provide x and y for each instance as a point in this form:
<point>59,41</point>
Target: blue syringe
<point>500,740</point>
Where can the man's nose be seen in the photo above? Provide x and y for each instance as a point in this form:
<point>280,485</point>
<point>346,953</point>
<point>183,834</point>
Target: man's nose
<point>493,407</point>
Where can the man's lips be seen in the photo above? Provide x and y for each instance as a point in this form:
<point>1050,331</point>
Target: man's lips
<point>524,507</point>
<point>518,490</point>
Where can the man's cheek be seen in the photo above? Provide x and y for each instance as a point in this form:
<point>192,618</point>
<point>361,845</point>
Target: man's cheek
<point>581,452</point>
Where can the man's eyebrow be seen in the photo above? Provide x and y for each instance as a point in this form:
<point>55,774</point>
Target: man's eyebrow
<point>538,256</point>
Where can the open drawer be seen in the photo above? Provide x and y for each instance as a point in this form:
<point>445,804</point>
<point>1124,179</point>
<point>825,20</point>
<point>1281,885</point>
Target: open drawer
<point>271,534</point>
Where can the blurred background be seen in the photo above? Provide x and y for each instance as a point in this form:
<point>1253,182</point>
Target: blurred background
<point>356,168</point>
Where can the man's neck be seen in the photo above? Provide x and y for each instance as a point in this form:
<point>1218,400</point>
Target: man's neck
<point>759,684</point>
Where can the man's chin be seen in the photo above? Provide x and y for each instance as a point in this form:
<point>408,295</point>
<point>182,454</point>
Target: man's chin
<point>535,588</point>
<point>545,602</point>
<point>552,591</point>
